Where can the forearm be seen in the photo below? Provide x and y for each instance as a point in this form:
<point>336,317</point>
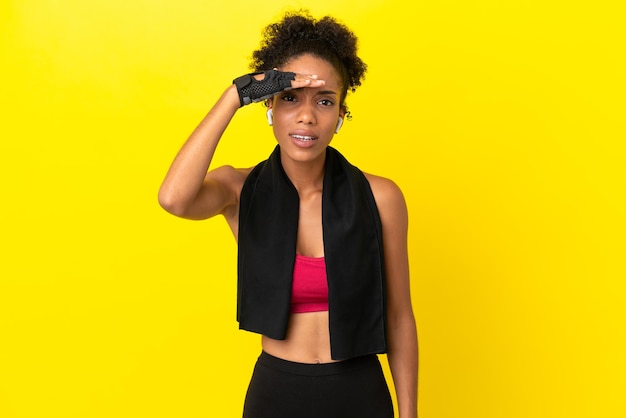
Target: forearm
<point>188,170</point>
<point>403,362</point>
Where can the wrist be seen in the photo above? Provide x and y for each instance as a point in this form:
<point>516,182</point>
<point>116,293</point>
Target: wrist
<point>230,97</point>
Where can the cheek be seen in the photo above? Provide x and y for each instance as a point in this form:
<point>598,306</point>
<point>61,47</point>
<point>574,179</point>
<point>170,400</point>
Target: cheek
<point>281,117</point>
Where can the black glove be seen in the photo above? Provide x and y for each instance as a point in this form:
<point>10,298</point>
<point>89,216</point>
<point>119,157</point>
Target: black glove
<point>252,90</point>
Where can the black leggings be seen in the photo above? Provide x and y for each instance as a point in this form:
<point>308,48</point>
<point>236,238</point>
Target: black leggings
<point>353,388</point>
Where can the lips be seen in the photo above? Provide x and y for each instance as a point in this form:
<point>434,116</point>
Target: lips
<point>304,137</point>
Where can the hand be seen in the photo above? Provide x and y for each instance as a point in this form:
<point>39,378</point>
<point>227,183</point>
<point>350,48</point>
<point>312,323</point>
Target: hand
<point>259,86</point>
<point>306,80</point>
<point>301,80</point>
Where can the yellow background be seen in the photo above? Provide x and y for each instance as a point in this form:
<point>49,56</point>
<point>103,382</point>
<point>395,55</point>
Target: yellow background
<point>503,122</point>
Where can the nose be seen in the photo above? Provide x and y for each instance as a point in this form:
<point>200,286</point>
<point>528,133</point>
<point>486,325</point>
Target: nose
<point>306,114</point>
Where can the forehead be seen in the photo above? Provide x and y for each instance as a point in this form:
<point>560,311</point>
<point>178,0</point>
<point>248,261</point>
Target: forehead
<point>310,64</point>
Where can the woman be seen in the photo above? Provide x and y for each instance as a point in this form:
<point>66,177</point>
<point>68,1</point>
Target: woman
<point>323,265</point>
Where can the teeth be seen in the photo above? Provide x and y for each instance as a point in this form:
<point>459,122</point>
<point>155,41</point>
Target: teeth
<point>304,138</point>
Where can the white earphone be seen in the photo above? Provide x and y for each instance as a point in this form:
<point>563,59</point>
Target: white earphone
<point>270,117</point>
<point>339,125</point>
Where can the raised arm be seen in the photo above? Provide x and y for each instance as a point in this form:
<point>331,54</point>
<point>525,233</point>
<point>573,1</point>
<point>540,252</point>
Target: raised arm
<point>189,190</point>
<point>402,333</point>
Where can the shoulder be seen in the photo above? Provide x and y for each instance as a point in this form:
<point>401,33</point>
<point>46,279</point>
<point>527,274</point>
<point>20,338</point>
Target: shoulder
<point>228,173</point>
<point>230,180</point>
<point>389,199</point>
<point>384,189</point>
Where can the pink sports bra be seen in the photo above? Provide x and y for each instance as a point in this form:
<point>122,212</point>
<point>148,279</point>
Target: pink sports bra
<point>309,292</point>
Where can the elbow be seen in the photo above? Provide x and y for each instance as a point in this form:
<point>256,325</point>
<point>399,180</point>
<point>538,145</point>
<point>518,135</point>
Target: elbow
<point>169,202</point>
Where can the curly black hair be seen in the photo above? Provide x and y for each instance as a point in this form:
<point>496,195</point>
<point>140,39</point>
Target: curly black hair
<point>299,33</point>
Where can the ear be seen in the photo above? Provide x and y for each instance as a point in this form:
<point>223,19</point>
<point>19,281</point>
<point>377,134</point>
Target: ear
<point>270,117</point>
<point>342,114</point>
<point>339,124</point>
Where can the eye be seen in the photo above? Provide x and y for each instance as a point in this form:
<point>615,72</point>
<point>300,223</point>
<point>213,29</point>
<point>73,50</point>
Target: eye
<point>288,97</point>
<point>326,102</point>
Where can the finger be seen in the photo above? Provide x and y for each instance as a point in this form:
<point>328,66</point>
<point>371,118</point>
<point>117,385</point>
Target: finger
<point>306,77</point>
<point>307,81</point>
<point>307,84</point>
<point>300,74</point>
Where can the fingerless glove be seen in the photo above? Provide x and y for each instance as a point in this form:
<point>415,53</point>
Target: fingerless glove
<point>252,90</point>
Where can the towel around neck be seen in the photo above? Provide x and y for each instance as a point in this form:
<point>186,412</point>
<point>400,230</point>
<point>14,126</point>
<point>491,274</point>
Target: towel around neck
<point>353,249</point>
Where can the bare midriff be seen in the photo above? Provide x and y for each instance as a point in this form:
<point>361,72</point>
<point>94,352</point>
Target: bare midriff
<point>308,339</point>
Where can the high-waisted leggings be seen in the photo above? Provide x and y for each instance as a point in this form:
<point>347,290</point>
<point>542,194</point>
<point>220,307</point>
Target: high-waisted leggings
<point>353,388</point>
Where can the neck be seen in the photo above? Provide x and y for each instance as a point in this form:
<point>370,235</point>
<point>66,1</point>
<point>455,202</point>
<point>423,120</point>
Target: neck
<point>305,176</point>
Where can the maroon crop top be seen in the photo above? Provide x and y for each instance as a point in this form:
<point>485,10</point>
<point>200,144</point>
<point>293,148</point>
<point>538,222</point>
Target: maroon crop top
<point>309,292</point>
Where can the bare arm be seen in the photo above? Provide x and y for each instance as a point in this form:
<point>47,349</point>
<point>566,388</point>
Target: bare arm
<point>402,333</point>
<point>188,190</point>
